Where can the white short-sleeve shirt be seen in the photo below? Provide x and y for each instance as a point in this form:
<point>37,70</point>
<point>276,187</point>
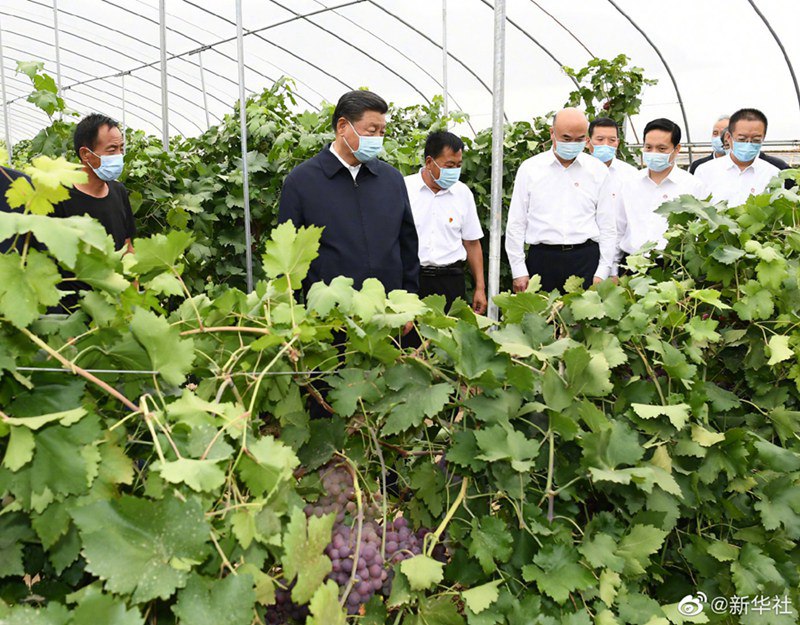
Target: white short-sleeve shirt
<point>727,182</point>
<point>443,221</point>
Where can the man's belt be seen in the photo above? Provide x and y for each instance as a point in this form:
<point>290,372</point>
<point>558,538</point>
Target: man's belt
<point>564,248</point>
<point>453,269</point>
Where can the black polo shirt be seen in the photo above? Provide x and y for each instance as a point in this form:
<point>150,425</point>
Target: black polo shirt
<point>113,211</point>
<point>368,225</point>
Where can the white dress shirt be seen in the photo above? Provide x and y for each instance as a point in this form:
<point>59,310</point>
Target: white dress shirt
<point>619,171</point>
<point>353,169</point>
<point>559,205</point>
<point>640,197</point>
<point>443,221</point>
<point>727,182</point>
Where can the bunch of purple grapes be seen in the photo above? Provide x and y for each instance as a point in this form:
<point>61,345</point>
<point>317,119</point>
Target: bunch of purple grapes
<point>347,552</point>
<point>379,549</point>
<point>284,610</point>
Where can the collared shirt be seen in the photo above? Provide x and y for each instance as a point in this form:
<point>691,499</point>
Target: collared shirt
<point>443,220</point>
<point>560,205</point>
<point>638,222</point>
<point>368,226</point>
<point>353,169</point>
<point>619,171</point>
<point>727,182</point>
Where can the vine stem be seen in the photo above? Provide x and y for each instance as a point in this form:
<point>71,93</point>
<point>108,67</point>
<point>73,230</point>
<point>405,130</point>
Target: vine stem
<point>80,371</point>
<point>211,330</point>
<point>356,553</point>
<point>384,494</point>
<point>456,504</point>
<point>221,553</point>
<point>149,422</point>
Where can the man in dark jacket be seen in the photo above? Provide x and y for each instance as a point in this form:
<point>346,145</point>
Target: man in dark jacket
<point>361,201</point>
<point>7,176</point>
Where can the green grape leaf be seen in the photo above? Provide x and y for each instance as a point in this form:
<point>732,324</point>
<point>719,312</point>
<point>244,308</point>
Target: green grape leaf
<point>557,572</point>
<point>413,404</point>
<point>304,556</point>
<point>55,172</point>
<point>160,251</point>
<point>199,475</point>
<point>100,609</point>
<point>289,252</point>
<point>26,290</point>
<point>481,597</point>
<point>170,355</point>
<point>322,298</point>
<point>351,386</point>
<point>205,601</point>
<point>268,463</point>
<point>778,349</point>
<point>142,547</point>
<point>20,448</point>
<point>324,606</point>
<point>638,545</point>
<point>502,443</point>
<point>490,542</point>
<point>422,571</point>
<point>678,414</point>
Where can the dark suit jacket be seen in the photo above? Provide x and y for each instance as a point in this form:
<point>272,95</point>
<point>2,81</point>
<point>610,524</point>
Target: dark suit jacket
<point>369,228</point>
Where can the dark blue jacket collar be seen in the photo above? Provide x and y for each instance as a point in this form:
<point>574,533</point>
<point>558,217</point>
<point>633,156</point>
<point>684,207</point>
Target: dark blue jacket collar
<point>330,164</point>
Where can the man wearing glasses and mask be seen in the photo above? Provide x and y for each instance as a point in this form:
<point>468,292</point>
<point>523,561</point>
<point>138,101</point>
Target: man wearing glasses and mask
<point>741,173</point>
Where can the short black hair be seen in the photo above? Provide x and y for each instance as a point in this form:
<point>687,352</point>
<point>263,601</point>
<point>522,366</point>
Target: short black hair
<point>748,115</point>
<point>602,122</point>
<point>667,125</point>
<point>87,129</point>
<point>353,104</point>
<point>438,140</point>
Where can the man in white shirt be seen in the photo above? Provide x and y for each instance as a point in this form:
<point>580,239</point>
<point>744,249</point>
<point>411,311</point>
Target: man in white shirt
<point>740,174</point>
<point>660,181</point>
<point>602,143</point>
<point>447,223</point>
<point>562,207</point>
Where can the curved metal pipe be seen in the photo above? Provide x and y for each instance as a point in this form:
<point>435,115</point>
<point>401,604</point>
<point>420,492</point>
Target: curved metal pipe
<point>431,41</point>
<point>198,42</point>
<point>666,66</point>
<point>780,45</point>
<point>582,45</point>
<point>406,57</point>
<point>25,88</point>
<point>355,47</point>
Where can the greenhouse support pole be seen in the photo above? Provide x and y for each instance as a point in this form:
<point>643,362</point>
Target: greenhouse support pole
<point>498,82</point>
<point>248,250</point>
<point>203,88</point>
<point>162,29</point>
<point>124,106</point>
<point>9,148</point>
<point>444,59</point>
<point>57,46</point>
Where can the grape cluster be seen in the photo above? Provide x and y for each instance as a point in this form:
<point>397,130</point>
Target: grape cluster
<point>284,610</point>
<point>366,560</point>
<point>347,552</point>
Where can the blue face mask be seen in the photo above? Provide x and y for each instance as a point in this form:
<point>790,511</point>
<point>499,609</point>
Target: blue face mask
<point>368,147</point>
<point>569,150</point>
<point>745,152</point>
<point>656,161</point>
<point>110,166</point>
<point>448,176</point>
<point>604,152</point>
<point>716,145</point>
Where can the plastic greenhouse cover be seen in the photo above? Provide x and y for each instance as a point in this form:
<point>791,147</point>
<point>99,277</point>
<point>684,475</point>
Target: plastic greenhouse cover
<point>721,54</point>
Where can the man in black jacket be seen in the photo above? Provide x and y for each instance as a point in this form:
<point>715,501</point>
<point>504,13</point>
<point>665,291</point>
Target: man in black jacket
<point>361,201</point>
